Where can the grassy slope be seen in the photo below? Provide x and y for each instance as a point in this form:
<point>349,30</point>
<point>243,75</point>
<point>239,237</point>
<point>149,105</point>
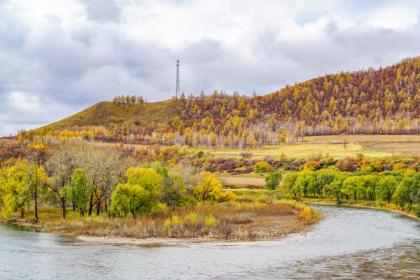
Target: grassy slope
<point>109,113</point>
<point>152,115</point>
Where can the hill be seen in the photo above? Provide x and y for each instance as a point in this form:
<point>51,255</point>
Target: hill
<point>114,115</point>
<point>382,101</point>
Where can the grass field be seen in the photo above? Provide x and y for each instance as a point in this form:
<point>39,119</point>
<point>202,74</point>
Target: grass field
<point>242,182</point>
<point>336,146</point>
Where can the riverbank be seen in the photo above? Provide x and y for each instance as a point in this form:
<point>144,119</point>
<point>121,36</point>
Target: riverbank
<point>365,205</point>
<point>239,221</point>
<point>341,244</point>
<point>158,242</point>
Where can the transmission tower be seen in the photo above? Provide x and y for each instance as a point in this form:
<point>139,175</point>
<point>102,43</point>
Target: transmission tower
<point>178,86</point>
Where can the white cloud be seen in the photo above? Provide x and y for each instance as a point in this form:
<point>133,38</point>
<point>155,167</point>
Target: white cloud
<point>61,56</point>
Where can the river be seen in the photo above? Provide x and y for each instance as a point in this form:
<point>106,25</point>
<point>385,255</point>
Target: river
<point>348,243</point>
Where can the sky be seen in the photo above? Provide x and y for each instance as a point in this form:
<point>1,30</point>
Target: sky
<point>58,57</point>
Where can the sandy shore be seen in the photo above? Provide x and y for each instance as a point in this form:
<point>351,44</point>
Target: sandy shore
<point>152,242</point>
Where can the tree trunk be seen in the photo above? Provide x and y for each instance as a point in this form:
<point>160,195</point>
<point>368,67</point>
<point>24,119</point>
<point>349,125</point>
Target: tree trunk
<point>22,212</point>
<point>108,214</point>
<point>91,204</point>
<point>98,207</point>
<point>63,206</point>
<point>36,197</point>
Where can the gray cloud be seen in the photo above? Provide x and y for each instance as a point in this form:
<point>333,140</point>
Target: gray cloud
<point>103,10</point>
<point>57,61</point>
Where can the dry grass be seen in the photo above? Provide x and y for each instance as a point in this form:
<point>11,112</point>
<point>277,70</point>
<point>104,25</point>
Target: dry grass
<point>243,182</point>
<point>336,146</point>
<point>302,151</point>
<point>362,138</point>
<point>257,218</point>
<point>397,148</point>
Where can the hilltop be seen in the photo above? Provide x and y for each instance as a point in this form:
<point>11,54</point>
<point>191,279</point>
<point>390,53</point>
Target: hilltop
<point>381,101</point>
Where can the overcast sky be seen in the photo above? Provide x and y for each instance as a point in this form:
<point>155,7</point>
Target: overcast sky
<point>57,57</point>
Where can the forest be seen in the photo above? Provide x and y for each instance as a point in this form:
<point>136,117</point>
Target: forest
<point>382,101</point>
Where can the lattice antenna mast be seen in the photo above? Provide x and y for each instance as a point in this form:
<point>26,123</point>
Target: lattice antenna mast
<point>178,86</point>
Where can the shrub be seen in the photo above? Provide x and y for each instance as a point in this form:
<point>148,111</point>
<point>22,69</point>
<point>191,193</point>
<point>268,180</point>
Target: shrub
<point>305,213</point>
<point>261,167</point>
<point>159,208</point>
<point>225,228</point>
<point>191,218</point>
<point>399,166</point>
<point>312,165</point>
<point>348,164</point>
<point>210,189</point>
<point>209,221</point>
<point>246,155</point>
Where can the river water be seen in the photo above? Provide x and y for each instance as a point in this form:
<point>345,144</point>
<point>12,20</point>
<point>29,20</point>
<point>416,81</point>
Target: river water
<point>348,244</point>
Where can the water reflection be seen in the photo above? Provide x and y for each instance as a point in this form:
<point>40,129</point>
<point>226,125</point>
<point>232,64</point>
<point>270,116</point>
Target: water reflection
<point>359,243</point>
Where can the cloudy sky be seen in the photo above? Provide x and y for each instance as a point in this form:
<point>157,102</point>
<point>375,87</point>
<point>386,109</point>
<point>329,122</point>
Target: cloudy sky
<point>57,57</point>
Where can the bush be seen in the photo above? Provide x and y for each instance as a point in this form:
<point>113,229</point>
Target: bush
<point>191,218</point>
<point>209,221</point>
<point>225,228</point>
<point>261,167</point>
<point>305,213</point>
<point>210,189</point>
<point>312,165</point>
<point>348,164</point>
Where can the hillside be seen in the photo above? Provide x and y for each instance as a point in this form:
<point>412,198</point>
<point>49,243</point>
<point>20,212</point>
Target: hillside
<point>118,116</point>
<point>383,101</point>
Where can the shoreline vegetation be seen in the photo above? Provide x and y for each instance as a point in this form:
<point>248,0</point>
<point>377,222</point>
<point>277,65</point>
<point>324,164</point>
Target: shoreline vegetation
<point>362,205</point>
<point>244,221</point>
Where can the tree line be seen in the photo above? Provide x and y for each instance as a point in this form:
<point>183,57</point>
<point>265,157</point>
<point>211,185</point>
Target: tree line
<point>400,187</point>
<point>128,99</point>
<point>90,179</point>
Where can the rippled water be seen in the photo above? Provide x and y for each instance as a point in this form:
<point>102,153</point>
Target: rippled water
<point>348,243</point>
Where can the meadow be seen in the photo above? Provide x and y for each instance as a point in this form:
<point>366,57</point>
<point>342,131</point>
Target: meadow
<point>335,146</point>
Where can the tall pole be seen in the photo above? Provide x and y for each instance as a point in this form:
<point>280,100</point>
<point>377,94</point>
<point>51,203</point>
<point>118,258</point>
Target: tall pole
<point>178,86</point>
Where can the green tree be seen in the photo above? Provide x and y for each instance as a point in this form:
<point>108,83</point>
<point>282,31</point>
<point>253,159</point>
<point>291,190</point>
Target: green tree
<point>305,183</point>
<point>369,182</point>
<point>19,186</point>
<point>139,195</point>
<point>402,193</point>
<point>324,177</point>
<point>385,188</point>
<point>350,187</point>
<point>288,183</point>
<point>407,191</point>
<point>79,191</point>
<point>174,191</point>
<point>272,180</point>
<point>334,188</point>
